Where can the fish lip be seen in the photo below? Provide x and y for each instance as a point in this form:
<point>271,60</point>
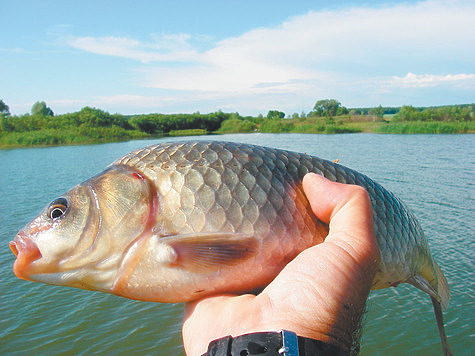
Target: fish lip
<point>13,246</point>
<point>26,252</point>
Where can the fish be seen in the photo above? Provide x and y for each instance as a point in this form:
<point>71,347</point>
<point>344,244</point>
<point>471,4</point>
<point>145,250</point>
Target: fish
<point>178,221</point>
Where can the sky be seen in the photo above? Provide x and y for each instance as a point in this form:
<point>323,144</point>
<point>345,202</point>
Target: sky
<point>246,56</point>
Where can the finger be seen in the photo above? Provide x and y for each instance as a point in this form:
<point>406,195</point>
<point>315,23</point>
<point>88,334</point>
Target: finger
<point>348,211</point>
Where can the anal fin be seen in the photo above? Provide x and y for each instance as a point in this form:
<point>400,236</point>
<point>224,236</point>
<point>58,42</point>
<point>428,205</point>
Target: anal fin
<point>425,286</point>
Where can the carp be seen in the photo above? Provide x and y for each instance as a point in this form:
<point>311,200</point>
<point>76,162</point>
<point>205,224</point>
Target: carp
<point>175,222</point>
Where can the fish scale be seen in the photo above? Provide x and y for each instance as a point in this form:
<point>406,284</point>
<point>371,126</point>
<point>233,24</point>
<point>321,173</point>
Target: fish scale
<point>178,221</point>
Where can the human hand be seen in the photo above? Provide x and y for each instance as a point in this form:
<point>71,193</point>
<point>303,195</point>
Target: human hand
<point>321,294</point>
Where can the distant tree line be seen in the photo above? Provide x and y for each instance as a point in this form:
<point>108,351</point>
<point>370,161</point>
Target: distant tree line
<point>161,123</point>
<point>450,113</point>
<point>332,107</point>
<point>42,126</point>
<point>386,110</point>
<point>42,117</point>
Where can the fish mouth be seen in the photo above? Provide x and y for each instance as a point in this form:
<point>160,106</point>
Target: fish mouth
<point>26,252</point>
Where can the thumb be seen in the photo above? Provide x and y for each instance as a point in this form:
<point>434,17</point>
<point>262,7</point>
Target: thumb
<point>348,211</point>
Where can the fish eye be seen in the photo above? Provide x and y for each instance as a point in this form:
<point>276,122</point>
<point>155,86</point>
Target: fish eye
<point>57,208</point>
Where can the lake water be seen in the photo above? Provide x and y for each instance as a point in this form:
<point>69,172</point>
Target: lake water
<point>433,174</point>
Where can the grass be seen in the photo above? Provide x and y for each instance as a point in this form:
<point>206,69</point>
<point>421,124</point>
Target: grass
<point>188,132</point>
<point>54,137</point>
<point>427,127</point>
<point>234,125</point>
<point>347,124</point>
<point>320,126</point>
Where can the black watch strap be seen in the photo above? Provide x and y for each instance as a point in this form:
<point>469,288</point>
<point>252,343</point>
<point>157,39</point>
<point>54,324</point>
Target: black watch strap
<point>280,343</point>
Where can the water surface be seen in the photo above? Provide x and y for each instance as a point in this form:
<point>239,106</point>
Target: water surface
<point>433,174</point>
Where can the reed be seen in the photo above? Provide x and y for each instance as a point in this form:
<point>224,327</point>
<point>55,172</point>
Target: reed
<point>427,127</point>
<point>188,132</point>
<point>81,135</point>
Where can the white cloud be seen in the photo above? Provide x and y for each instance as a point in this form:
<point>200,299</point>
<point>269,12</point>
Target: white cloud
<point>317,45</point>
<point>163,48</point>
<point>345,53</point>
<point>432,80</point>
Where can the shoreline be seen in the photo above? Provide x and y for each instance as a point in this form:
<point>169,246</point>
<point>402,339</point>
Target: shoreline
<point>95,126</point>
<point>199,132</point>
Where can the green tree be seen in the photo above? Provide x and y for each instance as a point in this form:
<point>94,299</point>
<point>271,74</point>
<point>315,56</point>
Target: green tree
<point>408,113</point>
<point>329,107</point>
<point>40,108</point>
<point>275,114</point>
<point>4,109</point>
<point>94,117</point>
<point>377,111</point>
<point>146,123</point>
<point>342,111</point>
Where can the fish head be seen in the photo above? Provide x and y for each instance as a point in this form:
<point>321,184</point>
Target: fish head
<point>79,238</point>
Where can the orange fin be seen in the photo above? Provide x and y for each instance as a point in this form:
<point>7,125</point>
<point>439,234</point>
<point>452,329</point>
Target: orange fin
<point>209,252</point>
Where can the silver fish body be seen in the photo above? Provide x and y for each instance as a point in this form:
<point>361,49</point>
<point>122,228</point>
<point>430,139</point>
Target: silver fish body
<point>177,221</point>
<point>237,188</point>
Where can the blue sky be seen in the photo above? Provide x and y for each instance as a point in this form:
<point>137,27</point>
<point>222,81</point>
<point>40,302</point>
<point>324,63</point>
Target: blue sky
<point>245,56</point>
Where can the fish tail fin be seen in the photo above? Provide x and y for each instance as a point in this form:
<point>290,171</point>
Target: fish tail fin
<point>442,287</point>
<point>439,292</point>
<point>431,280</point>
<point>440,325</point>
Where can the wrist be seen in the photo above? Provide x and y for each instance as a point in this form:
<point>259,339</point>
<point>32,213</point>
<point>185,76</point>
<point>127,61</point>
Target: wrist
<point>273,343</point>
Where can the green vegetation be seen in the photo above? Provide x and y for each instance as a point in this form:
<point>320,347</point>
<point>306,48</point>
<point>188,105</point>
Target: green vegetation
<point>424,127</point>
<point>275,114</point>
<point>188,132</point>
<point>86,126</point>
<point>160,123</point>
<point>235,125</point>
<point>453,113</point>
<point>329,107</point>
<point>40,108</point>
<point>49,137</point>
<point>4,109</point>
<point>442,119</point>
<point>91,125</point>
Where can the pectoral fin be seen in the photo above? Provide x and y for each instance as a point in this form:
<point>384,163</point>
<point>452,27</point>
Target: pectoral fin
<point>208,252</point>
